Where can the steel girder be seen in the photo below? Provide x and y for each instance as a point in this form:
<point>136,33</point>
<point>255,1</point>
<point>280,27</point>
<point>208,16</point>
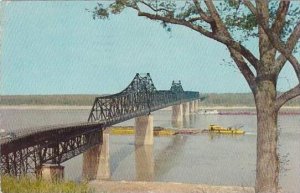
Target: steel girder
<point>140,96</point>
<point>28,160</point>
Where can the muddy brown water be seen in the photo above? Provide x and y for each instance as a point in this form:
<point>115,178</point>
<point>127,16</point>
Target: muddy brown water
<point>202,159</point>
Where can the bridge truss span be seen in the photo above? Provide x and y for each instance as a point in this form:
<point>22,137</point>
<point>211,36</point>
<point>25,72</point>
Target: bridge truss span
<point>140,97</point>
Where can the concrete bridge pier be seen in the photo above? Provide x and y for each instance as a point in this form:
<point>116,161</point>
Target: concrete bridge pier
<point>196,105</point>
<point>51,172</point>
<point>177,115</point>
<point>192,107</point>
<point>96,161</point>
<point>186,114</point>
<point>186,109</point>
<point>144,130</point>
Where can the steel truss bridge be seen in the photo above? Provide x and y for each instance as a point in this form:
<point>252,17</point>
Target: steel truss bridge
<point>28,151</point>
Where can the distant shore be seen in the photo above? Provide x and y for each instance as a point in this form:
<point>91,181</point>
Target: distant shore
<point>44,107</point>
<point>73,107</point>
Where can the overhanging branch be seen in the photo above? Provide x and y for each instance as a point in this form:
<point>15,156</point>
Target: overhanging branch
<point>225,37</point>
<point>173,20</point>
<point>283,98</point>
<point>244,69</point>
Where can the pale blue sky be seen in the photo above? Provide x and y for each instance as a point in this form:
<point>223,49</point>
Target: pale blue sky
<point>57,48</point>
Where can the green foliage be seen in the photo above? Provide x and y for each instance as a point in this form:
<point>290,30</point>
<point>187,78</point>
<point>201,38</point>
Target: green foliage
<point>30,185</point>
<point>237,17</point>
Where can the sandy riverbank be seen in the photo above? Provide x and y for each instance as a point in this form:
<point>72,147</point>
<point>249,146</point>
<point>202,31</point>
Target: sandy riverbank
<point>163,187</point>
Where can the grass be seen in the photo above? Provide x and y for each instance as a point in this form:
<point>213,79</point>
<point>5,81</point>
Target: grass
<point>30,185</point>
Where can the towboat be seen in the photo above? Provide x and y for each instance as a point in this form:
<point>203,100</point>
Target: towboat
<point>208,112</point>
<point>223,130</point>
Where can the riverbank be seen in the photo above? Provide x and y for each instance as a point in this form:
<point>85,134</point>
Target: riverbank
<point>162,187</point>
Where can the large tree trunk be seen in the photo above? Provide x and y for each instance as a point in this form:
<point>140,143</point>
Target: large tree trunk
<point>267,163</point>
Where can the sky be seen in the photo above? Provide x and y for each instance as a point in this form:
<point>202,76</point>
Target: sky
<point>57,48</point>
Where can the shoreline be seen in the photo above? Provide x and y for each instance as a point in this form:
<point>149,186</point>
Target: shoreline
<point>163,187</point>
<point>82,107</point>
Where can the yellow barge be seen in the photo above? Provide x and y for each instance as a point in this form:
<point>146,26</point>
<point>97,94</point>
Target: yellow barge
<point>222,130</point>
<point>158,131</point>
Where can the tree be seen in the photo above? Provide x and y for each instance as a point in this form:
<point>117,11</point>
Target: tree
<point>276,26</point>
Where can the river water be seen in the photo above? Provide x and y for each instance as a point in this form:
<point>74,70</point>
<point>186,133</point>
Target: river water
<point>203,158</point>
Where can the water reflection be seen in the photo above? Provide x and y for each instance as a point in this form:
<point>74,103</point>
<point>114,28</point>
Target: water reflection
<point>147,167</point>
<point>188,121</point>
<point>144,162</point>
<point>166,159</point>
<point>216,136</point>
<point>177,124</point>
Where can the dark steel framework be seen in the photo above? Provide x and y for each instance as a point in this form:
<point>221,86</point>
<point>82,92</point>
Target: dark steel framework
<point>140,97</point>
<point>29,157</point>
<point>54,145</point>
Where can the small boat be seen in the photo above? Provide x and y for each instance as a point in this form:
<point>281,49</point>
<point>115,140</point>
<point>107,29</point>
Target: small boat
<point>208,112</point>
<point>222,130</point>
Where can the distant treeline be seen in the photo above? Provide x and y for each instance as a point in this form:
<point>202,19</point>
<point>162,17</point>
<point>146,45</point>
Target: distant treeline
<point>73,100</point>
<point>212,99</point>
<point>237,99</point>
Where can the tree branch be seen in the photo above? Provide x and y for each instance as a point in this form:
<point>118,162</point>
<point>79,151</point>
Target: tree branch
<point>262,12</point>
<point>153,9</point>
<point>280,17</point>
<point>250,6</point>
<point>283,48</point>
<point>244,68</point>
<point>215,15</point>
<point>225,37</point>
<point>178,22</point>
<point>283,98</point>
<point>194,19</point>
<point>291,43</point>
<point>202,14</point>
<point>240,48</point>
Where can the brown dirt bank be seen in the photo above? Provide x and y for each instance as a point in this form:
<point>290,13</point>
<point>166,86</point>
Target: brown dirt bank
<point>163,187</point>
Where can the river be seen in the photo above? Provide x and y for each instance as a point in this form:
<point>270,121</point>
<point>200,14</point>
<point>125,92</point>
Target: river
<point>203,158</point>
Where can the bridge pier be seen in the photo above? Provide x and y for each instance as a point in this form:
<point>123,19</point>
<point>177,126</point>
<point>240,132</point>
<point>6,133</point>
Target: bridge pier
<point>51,172</point>
<point>186,109</point>
<point>96,161</point>
<point>196,105</point>
<point>192,106</point>
<point>144,130</point>
<point>177,115</point>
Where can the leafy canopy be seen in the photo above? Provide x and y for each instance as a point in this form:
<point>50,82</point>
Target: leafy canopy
<point>239,20</point>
